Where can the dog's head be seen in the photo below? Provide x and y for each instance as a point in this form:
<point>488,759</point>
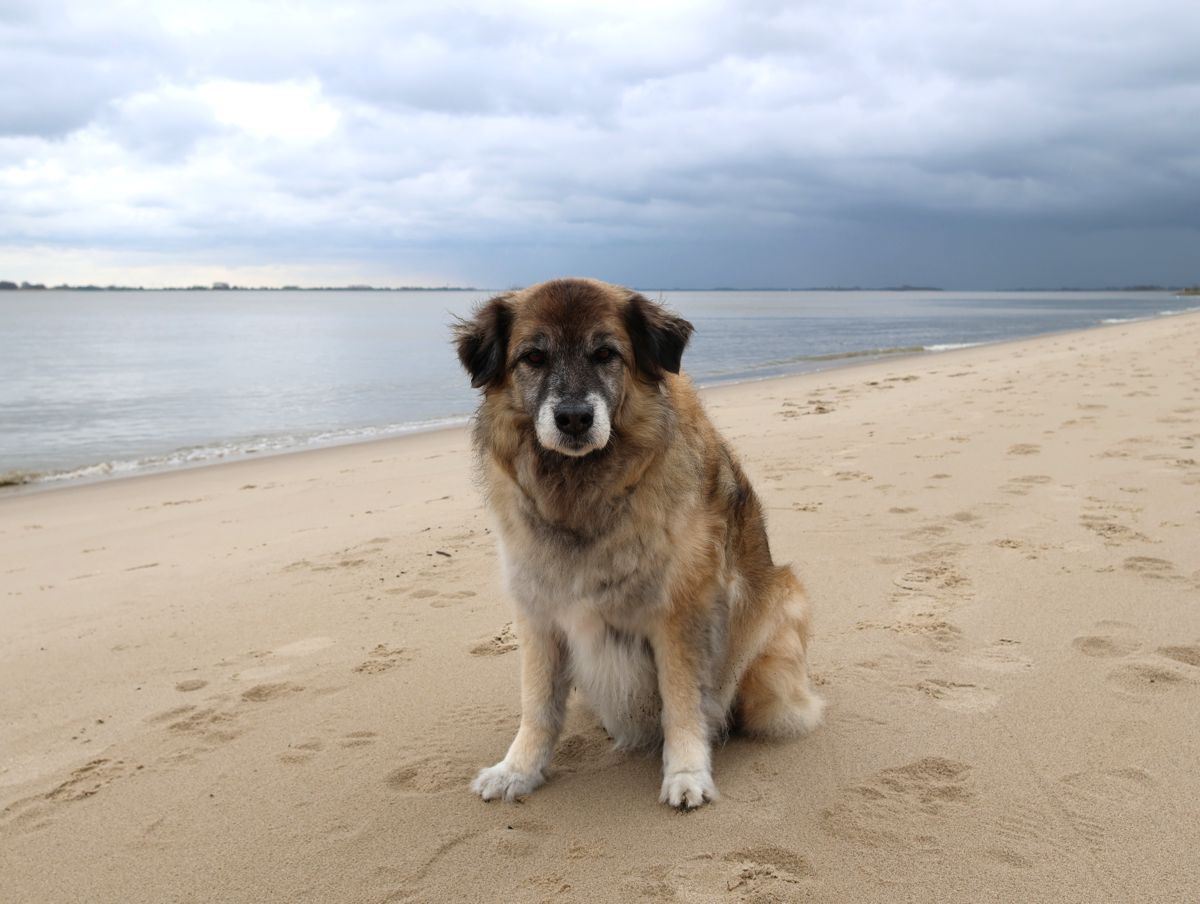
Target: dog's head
<point>566,353</point>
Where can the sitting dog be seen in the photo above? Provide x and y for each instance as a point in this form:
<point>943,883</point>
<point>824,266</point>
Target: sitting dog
<point>630,539</point>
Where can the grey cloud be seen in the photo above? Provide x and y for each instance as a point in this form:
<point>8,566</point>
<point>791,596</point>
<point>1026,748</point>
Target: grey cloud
<point>159,126</point>
<point>755,143</point>
<point>59,68</point>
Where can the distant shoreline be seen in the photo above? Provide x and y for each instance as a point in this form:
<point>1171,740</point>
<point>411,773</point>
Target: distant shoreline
<point>9,286</point>
<point>221,287</point>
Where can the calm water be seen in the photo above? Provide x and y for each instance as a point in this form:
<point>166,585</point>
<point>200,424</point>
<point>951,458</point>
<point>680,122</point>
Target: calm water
<point>101,383</point>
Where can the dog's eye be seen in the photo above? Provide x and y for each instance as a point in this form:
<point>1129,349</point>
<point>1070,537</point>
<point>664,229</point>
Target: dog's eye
<point>535,358</point>
<point>601,355</point>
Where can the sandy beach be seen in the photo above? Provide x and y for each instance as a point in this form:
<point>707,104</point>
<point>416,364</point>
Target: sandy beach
<point>272,680</point>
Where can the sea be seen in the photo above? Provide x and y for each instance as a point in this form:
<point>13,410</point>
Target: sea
<point>102,384</point>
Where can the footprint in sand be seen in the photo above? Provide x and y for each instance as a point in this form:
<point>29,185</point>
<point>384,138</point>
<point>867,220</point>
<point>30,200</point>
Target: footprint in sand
<point>760,873</point>
<point>1103,646</point>
<point>926,532</point>
<point>170,715</point>
<point>1151,567</point>
<point>590,750</point>
<point>852,475</point>
<point>813,406</point>
<point>358,739</point>
<point>1114,533</point>
<point>191,684</point>
<point>936,576</point>
<point>433,774</point>
<point>922,617</point>
<point>34,813</point>
<point>958,696</point>
<point>212,725</point>
<point>765,873</point>
<point>1022,486</point>
<point>1024,835</point>
<point>504,641</point>
<point>1148,678</point>
<point>88,780</point>
<point>1089,798</point>
<point>382,658</point>
<point>1188,655</point>
<point>902,808</point>
<point>451,598</point>
<point>925,594</point>
<point>1024,449</point>
<point>302,752</point>
<point>261,693</point>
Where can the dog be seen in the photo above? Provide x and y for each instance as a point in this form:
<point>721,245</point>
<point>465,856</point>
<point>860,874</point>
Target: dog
<point>629,537</point>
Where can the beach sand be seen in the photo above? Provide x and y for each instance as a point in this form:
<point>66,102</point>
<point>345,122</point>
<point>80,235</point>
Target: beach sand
<point>272,680</point>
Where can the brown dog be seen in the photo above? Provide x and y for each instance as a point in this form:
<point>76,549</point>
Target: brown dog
<point>630,538</point>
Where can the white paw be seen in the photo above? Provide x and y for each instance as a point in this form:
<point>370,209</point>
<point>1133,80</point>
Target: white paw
<point>810,715</point>
<point>688,789</point>
<point>502,780</point>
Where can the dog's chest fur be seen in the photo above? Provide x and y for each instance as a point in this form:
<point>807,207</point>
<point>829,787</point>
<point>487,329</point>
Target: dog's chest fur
<point>615,564</point>
<point>601,581</point>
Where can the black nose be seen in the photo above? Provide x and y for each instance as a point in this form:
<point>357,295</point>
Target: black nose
<point>573,418</point>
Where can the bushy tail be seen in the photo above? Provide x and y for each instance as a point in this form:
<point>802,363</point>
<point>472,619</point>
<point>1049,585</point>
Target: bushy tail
<point>775,698</point>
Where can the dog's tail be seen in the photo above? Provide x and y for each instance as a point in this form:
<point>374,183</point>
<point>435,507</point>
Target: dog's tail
<point>775,698</point>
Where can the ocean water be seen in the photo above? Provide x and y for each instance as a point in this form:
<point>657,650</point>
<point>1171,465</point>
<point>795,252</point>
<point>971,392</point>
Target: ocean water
<point>96,384</point>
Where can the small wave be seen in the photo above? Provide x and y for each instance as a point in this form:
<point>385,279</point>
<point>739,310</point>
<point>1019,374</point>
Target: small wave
<point>196,455</point>
<point>1121,319</point>
<point>951,346</point>
<point>1178,311</point>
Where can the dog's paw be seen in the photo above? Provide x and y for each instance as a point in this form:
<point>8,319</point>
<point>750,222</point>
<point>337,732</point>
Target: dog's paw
<point>503,781</point>
<point>688,790</point>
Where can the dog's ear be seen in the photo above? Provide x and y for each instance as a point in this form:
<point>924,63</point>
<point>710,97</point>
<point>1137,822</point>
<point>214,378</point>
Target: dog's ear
<point>482,341</point>
<point>658,336</point>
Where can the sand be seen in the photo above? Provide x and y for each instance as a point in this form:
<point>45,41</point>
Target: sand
<point>272,680</point>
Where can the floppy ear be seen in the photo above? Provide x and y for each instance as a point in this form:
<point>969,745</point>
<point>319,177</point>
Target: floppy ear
<point>482,341</point>
<point>658,336</point>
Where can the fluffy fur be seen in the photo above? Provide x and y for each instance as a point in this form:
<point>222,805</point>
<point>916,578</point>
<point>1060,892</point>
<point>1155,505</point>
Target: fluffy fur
<point>631,540</point>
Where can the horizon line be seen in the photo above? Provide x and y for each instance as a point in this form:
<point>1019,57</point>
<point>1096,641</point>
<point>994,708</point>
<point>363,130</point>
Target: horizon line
<point>220,286</point>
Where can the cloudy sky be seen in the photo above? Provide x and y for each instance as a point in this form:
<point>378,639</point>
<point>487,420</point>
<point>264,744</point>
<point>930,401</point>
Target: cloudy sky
<point>660,144</point>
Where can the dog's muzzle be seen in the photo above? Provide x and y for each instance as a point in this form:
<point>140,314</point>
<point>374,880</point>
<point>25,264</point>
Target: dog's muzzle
<point>574,418</point>
<point>574,427</point>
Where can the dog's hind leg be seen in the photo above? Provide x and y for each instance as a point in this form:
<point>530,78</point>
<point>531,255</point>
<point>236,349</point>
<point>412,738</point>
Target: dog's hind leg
<point>775,697</point>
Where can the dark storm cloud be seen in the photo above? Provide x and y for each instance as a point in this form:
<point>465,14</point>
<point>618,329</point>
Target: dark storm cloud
<point>683,144</point>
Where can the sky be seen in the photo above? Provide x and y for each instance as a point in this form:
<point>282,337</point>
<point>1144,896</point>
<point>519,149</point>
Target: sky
<point>658,144</point>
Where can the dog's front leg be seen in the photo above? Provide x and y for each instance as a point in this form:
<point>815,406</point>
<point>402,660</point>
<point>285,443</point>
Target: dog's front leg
<point>543,702</point>
<point>687,749</point>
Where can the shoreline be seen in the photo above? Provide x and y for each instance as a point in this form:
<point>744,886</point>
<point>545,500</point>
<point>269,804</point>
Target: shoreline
<point>50,481</point>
